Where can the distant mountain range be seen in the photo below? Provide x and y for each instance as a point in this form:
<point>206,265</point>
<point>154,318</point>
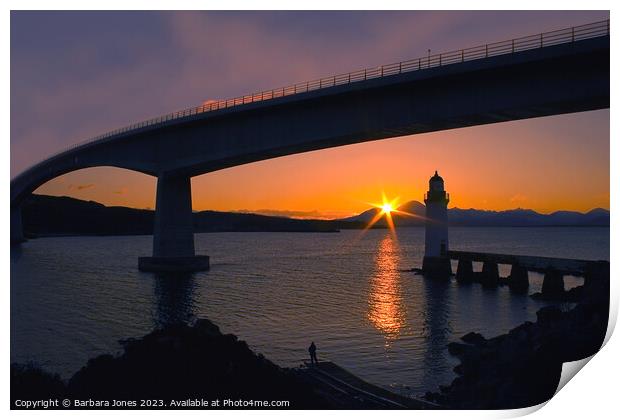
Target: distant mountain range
<point>44,215</point>
<point>473,217</point>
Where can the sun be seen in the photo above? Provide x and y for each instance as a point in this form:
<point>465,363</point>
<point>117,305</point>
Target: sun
<point>387,208</point>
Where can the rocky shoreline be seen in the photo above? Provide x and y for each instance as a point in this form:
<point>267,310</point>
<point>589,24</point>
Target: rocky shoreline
<point>181,363</point>
<point>522,368</point>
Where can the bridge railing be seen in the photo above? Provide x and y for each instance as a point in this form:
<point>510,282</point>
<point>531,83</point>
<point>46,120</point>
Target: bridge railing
<point>545,39</point>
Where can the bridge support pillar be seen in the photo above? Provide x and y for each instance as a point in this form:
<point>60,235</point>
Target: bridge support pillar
<point>465,271</point>
<point>489,277</point>
<point>553,284</point>
<point>173,235</point>
<point>17,231</point>
<point>518,279</point>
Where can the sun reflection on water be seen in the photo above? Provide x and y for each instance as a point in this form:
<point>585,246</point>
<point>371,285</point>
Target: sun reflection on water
<point>386,308</point>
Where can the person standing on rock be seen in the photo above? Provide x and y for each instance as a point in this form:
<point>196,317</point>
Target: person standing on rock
<point>312,351</point>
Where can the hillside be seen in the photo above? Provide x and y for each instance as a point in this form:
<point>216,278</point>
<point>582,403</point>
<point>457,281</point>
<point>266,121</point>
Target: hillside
<point>48,215</point>
<point>44,215</point>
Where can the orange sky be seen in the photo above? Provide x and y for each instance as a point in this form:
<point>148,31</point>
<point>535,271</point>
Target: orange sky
<point>546,164</point>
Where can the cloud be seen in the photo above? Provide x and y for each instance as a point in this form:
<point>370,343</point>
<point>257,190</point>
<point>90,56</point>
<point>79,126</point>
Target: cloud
<point>298,214</point>
<point>263,51</point>
<point>518,198</point>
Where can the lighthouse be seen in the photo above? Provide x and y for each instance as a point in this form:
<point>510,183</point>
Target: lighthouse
<point>436,262</point>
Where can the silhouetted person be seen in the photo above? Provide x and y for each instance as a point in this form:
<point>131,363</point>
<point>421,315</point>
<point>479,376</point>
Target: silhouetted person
<point>312,351</point>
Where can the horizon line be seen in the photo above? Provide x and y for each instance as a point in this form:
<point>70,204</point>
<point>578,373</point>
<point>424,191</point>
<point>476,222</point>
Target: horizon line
<point>283,212</point>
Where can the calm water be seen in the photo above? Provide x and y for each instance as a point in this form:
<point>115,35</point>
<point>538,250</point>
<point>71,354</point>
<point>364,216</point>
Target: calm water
<point>74,298</point>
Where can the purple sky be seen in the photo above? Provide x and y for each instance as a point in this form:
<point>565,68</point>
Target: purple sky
<point>77,74</point>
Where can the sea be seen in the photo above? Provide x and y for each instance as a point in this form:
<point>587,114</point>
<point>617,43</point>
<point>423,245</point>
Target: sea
<point>353,293</point>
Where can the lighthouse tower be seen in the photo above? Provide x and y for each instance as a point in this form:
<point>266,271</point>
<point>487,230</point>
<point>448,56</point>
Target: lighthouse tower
<point>436,262</point>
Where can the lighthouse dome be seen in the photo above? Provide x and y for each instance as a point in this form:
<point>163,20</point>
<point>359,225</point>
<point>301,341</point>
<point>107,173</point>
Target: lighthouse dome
<point>436,177</point>
<point>435,183</point>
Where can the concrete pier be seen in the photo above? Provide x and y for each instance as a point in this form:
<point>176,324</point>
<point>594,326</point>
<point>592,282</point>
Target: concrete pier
<point>465,271</point>
<point>173,235</point>
<point>518,281</point>
<point>490,274</point>
<point>531,263</point>
<point>595,273</point>
<point>553,283</point>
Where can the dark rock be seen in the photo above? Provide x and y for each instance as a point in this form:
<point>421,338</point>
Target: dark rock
<point>596,281</point>
<point>576,294</point>
<point>473,338</point>
<point>523,331</point>
<point>30,382</point>
<point>431,396</point>
<point>456,349</point>
<point>207,327</point>
<point>522,368</point>
<point>548,314</point>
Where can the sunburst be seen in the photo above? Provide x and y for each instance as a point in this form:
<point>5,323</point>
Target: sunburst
<point>386,209</point>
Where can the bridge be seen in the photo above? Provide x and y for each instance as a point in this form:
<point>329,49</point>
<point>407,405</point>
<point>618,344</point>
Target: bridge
<point>550,73</point>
